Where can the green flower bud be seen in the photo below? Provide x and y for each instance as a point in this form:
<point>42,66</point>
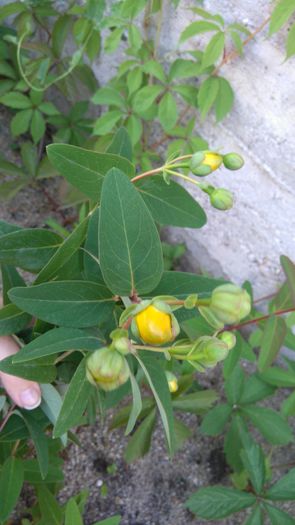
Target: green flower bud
<point>229,303</point>
<point>229,339</point>
<point>107,368</point>
<point>208,351</point>
<point>172,382</point>
<point>221,199</point>
<point>233,161</point>
<point>204,162</point>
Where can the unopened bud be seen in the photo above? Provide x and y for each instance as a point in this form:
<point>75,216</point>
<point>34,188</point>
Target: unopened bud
<point>172,382</point>
<point>228,338</point>
<point>107,368</point>
<point>230,304</point>
<point>155,324</point>
<point>233,161</point>
<point>221,199</point>
<point>203,163</point>
<point>208,351</point>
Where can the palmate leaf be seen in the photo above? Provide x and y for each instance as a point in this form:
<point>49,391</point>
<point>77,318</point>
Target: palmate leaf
<point>218,502</point>
<point>129,244</point>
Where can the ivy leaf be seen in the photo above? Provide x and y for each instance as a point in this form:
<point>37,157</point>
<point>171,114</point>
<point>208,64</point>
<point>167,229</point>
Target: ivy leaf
<point>201,26</point>
<point>213,50</point>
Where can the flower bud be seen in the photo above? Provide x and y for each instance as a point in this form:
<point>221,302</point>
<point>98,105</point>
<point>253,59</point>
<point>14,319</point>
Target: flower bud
<point>208,351</point>
<point>203,163</point>
<point>221,199</point>
<point>155,324</point>
<point>107,368</point>
<point>172,382</point>
<point>233,161</point>
<point>229,303</point>
<point>228,338</point>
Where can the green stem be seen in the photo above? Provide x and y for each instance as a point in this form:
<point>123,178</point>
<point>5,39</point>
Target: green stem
<point>184,177</point>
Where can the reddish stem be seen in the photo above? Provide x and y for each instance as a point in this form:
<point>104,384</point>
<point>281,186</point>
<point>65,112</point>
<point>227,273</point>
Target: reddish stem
<point>258,319</point>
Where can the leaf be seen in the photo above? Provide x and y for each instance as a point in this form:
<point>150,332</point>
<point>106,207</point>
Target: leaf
<point>201,26</point>
<point>29,249</point>
<point>278,516</point>
<point>134,127</point>
<point>75,304</point>
<point>233,442</point>
<point>91,256</point>
<point>56,341</point>
<point>182,68</point>
<point>136,405</point>
<point>155,69</point>
<point>64,253</point>
<point>106,122</point>
<point>182,433</point>
<point>290,45</point>
<point>109,97</point>
<point>254,390</point>
<point>274,333</point>
<point>32,473</point>
<point>41,370</point>
<point>145,97</point>
<point>196,402</point>
<point>256,517</point>
<point>288,406</point>
<point>140,442</point>
<point>49,108</point>
<point>49,507</point>
<point>38,126</point>
<point>40,441</point>
<point>213,50</point>
<point>216,419</point>
<point>129,245</point>
<point>280,15</point>
<point>207,95</point>
<point>20,122</point>
<point>51,404</point>
<point>10,279</point>
<point>234,385</point>
<point>75,401</point>
<point>289,271</point>
<point>72,513</point>
<point>171,205</point>
<point>168,112</point>
<point>270,424</point>
<point>254,463</point>
<point>224,100</point>
<point>16,100</point>
<point>85,169</point>
<point>12,320</point>
<point>284,489</point>
<point>218,502</point>
<point>134,80</point>
<point>278,377</point>
<point>114,520</point>
<point>14,430</point>
<point>11,482</point>
<point>157,381</point>
<point>121,145</point>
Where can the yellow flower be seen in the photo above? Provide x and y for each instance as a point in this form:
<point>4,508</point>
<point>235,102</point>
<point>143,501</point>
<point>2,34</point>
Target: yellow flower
<point>154,326</point>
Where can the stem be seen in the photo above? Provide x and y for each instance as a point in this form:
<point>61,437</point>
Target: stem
<point>147,174</point>
<point>5,419</point>
<point>63,356</point>
<point>184,177</point>
<point>258,319</point>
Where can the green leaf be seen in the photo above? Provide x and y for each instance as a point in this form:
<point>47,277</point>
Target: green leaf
<point>288,406</point>
<point>254,390</point>
<point>50,509</point>
<point>234,385</point>
<point>270,424</point>
<point>129,245</point>
<point>16,100</point>
<point>140,442</point>
<point>20,122</point>
<point>108,96</point>
<point>216,419</point>
<point>51,405</point>
<point>207,95</point>
<point>134,37</point>
<point>134,80</point>
<point>155,69</point>
<point>106,122</point>
<point>145,97</point>
<point>14,430</point>
<point>274,333</point>
<point>168,112</point>
<point>29,249</point>
<point>10,279</point>
<point>256,517</point>
<point>93,45</point>
<point>196,403</point>
<point>281,14</point>
<point>157,381</point>
<point>75,304</point>
<point>74,402</point>
<point>182,433</point>
<point>224,100</point>
<point>29,157</point>
<point>201,26</point>
<point>182,284</point>
<point>85,169</point>
<point>12,320</point>
<point>134,127</point>
<point>254,463</point>
<point>182,68</point>
<point>218,502</point>
<point>40,441</point>
<point>290,45</point>
<point>38,126</point>
<point>284,489</point>
<point>40,370</point>
<point>278,377</point>
<point>59,33</point>
<point>72,513</point>
<point>64,253</point>
<point>11,482</point>
<point>233,442</point>
<point>136,405</point>
<point>114,520</point>
<point>213,50</point>
<point>278,516</point>
<point>171,205</point>
<point>32,473</point>
<point>121,145</point>
<point>56,341</point>
<point>289,271</point>
<point>48,108</point>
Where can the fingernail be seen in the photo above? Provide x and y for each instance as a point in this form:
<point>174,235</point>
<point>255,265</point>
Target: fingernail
<point>30,398</point>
